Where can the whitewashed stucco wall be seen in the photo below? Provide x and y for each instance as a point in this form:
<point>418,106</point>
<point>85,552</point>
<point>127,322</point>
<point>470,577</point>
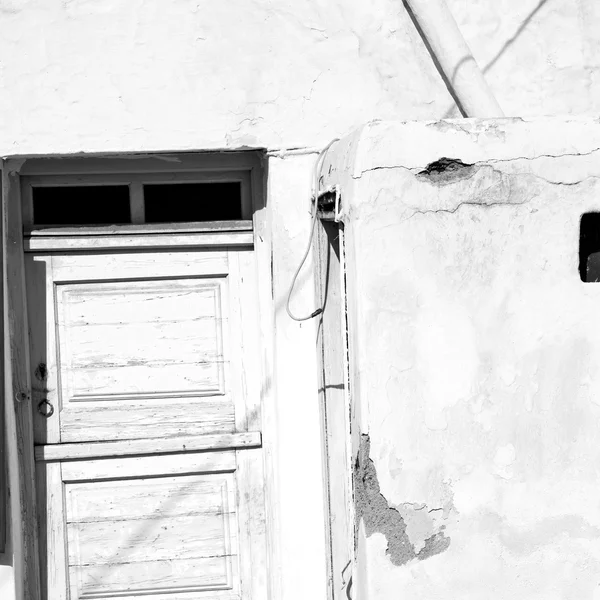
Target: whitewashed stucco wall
<point>102,76</point>
<point>475,350</point>
<point>106,75</point>
<point>85,76</point>
<point>112,75</point>
<point>541,57</point>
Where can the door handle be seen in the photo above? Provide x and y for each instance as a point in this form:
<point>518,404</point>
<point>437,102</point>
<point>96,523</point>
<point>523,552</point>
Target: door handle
<point>45,408</point>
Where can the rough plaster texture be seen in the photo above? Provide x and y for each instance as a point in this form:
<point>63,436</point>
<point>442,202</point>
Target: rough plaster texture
<point>117,75</point>
<point>142,75</point>
<point>112,75</point>
<point>407,529</point>
<point>475,356</point>
<point>541,57</point>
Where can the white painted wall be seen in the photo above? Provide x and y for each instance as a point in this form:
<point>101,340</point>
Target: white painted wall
<point>541,57</point>
<point>85,76</point>
<point>296,504</point>
<point>105,75</point>
<point>475,349</point>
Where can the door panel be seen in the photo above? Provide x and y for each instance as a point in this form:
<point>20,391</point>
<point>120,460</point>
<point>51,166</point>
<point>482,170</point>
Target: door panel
<point>136,353</point>
<point>141,339</point>
<point>169,526</point>
<point>151,350</point>
<point>148,418</point>
<point>153,536</point>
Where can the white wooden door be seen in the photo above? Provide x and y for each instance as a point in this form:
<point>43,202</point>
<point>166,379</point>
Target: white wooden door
<point>146,418</point>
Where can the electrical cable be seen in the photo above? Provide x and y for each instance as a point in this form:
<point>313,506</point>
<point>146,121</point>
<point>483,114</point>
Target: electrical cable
<point>314,200</point>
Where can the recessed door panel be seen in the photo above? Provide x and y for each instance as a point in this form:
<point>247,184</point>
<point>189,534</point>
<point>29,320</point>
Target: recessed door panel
<point>129,349</point>
<point>152,349</point>
<point>152,536</point>
<point>141,339</point>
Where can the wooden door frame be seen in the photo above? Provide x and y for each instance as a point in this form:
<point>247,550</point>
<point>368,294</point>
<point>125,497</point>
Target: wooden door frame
<point>17,378</point>
<point>17,393</point>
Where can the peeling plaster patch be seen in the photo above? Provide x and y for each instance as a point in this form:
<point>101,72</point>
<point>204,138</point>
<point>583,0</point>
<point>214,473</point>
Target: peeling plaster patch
<point>379,517</point>
<point>436,544</point>
<point>446,170</point>
<point>421,526</point>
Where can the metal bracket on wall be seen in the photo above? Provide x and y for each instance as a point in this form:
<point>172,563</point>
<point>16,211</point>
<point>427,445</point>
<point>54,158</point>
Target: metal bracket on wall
<point>329,204</point>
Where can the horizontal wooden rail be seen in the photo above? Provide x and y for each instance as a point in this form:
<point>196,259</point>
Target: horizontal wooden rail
<point>59,242</point>
<point>90,450</point>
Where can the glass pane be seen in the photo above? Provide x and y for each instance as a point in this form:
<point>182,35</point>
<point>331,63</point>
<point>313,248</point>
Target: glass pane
<point>81,205</point>
<point>179,202</point>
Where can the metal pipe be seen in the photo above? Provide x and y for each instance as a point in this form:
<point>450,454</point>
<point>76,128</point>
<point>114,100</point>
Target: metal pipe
<point>453,58</point>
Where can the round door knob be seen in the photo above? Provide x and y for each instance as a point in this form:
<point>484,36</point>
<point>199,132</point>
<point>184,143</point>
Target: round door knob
<point>45,408</point>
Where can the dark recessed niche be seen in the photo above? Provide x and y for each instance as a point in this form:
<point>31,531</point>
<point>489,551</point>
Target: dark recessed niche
<point>81,205</point>
<point>589,248</point>
<point>180,202</point>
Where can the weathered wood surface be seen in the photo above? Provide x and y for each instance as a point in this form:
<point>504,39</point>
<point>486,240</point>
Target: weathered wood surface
<point>180,164</point>
<point>141,229</point>
<point>137,539</point>
<point>59,243</point>
<point>148,466</point>
<point>180,516</point>
<point>160,346</point>
<point>150,498</point>
<point>17,395</point>
<point>208,577</point>
<point>147,419</point>
<point>141,338</point>
<point>153,535</point>
<point>52,528</point>
<point>162,445</point>
<point>141,345</point>
<point>135,265</point>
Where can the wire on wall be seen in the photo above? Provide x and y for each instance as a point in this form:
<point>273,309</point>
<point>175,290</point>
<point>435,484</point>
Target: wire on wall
<point>314,209</point>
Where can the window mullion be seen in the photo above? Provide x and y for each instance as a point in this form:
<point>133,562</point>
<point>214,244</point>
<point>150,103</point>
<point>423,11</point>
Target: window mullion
<point>136,202</point>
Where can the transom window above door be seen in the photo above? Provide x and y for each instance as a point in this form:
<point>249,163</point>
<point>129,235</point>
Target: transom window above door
<point>57,201</point>
<point>153,195</point>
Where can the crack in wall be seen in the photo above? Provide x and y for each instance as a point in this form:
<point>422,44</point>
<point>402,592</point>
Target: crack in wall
<point>378,516</point>
<point>466,203</point>
<point>419,170</point>
<point>487,186</point>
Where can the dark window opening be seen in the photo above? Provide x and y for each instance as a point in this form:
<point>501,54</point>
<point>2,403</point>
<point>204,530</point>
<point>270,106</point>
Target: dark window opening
<point>589,248</point>
<point>180,202</point>
<point>81,205</point>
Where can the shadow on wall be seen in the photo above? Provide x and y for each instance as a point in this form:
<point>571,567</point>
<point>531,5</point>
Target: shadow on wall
<point>452,111</point>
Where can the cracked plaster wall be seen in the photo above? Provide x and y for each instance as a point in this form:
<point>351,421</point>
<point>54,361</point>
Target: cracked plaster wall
<point>83,76</point>
<point>134,75</point>
<point>475,358</point>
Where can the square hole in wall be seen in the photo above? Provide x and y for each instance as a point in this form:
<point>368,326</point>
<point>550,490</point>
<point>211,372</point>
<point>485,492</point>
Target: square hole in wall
<point>589,247</point>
